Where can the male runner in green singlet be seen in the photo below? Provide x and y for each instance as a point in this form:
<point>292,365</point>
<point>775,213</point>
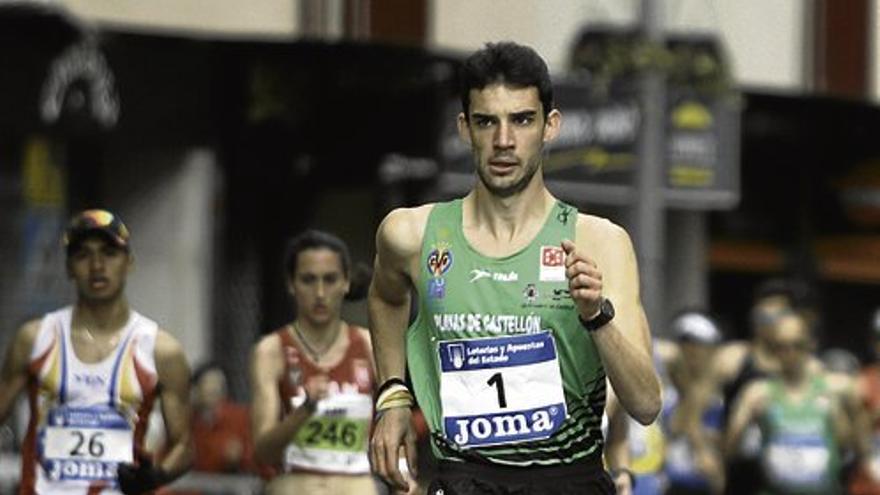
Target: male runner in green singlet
<point>803,425</point>
<point>516,331</point>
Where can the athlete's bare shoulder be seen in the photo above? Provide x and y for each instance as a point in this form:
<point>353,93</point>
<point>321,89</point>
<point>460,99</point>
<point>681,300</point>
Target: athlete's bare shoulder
<point>27,333</point>
<point>728,360</point>
<point>13,373</point>
<point>266,357</point>
<point>668,352</point>
<point>168,351</point>
<point>172,366</point>
<point>756,393</point>
<point>268,345</point>
<point>20,349</point>
<point>401,232</point>
<point>598,231</point>
<point>365,335</point>
<point>167,344</point>
<point>609,245</point>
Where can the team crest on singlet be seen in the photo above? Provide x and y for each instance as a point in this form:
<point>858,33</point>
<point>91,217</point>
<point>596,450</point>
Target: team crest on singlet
<point>439,259</point>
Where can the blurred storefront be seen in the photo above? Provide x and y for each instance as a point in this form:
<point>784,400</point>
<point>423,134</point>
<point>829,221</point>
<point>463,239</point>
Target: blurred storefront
<point>216,150</point>
<point>810,210</point>
<point>213,151</point>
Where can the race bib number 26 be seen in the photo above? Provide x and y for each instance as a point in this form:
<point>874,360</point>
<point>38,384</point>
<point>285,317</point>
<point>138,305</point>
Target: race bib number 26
<point>501,390</point>
<point>85,443</point>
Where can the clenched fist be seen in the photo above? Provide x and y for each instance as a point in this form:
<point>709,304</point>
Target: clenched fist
<point>584,281</point>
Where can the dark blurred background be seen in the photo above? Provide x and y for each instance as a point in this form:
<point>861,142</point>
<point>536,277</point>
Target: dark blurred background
<point>217,141</point>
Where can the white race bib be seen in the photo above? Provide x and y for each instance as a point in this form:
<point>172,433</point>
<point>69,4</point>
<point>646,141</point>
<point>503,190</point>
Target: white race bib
<point>501,390</point>
<point>85,443</point>
<point>797,460</point>
<point>335,438</point>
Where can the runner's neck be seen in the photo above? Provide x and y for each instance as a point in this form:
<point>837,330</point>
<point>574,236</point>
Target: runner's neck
<point>101,318</point>
<point>490,224</point>
<point>318,341</point>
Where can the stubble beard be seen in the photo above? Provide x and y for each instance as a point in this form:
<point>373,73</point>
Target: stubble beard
<point>514,188</point>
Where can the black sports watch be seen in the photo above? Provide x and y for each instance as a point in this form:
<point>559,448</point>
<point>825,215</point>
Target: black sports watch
<point>606,314</point>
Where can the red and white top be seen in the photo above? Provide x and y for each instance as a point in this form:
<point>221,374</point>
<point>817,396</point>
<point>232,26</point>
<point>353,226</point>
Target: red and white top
<point>334,439</point>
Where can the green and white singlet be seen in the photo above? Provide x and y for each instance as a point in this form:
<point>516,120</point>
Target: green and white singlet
<point>502,368</point>
<point>800,454</point>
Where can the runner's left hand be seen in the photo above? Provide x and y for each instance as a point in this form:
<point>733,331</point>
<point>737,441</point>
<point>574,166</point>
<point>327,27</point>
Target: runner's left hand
<point>142,477</point>
<point>584,280</point>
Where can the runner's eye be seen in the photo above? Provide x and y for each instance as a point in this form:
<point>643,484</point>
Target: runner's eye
<point>523,119</point>
<point>483,122</point>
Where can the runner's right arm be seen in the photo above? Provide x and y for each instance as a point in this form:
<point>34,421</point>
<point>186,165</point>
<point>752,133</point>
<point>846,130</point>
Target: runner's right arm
<point>397,249</point>
<point>270,435</point>
<point>745,410</point>
<point>13,375</point>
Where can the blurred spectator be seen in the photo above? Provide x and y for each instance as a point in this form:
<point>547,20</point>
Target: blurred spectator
<point>617,451</point>
<point>738,363</point>
<point>647,444</point>
<point>693,459</point>
<point>840,362</point>
<point>801,419</point>
<point>221,432</point>
<point>865,479</point>
<point>672,455</point>
<point>842,374</point>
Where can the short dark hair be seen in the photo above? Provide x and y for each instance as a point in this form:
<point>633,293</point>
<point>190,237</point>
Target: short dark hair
<point>798,292</point>
<point>315,239</point>
<point>509,63</point>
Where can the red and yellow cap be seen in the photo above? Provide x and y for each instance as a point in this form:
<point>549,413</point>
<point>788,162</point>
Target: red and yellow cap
<point>94,221</point>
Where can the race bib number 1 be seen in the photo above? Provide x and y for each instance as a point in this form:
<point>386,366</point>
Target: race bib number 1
<point>501,390</point>
<point>85,443</point>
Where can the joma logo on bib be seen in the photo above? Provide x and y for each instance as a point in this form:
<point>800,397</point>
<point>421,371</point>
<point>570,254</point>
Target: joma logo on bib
<point>503,427</point>
<point>81,470</point>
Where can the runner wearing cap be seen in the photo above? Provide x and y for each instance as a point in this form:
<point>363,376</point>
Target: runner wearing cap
<point>676,455</point>
<point>92,372</point>
<point>693,463</point>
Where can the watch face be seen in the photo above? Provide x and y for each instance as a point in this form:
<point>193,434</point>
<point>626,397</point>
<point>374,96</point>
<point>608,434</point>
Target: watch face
<point>607,308</point>
<point>606,314</point>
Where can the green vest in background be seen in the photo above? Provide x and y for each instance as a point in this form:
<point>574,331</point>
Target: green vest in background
<point>800,454</point>
<point>501,367</point>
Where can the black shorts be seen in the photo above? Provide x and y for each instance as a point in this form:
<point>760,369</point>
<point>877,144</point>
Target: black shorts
<point>585,477</point>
